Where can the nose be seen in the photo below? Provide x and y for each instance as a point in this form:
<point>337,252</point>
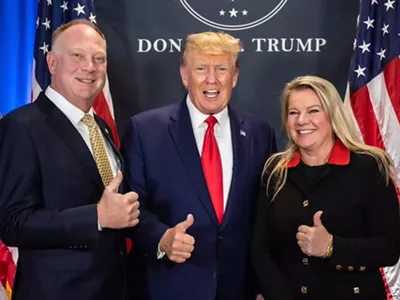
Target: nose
<point>88,65</point>
<point>211,76</point>
<point>303,119</point>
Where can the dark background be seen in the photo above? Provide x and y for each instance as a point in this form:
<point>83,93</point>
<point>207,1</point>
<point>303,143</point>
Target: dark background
<point>141,81</point>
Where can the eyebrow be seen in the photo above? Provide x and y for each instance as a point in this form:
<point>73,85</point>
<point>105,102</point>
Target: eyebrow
<point>308,107</point>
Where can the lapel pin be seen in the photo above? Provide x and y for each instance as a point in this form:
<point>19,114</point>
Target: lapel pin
<point>242,132</point>
<point>106,130</point>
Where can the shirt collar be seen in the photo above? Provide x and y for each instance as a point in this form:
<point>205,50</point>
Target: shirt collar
<point>339,156</point>
<point>73,113</point>
<point>198,117</point>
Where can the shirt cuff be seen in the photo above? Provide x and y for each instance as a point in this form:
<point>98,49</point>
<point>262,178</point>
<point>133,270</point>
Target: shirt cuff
<point>99,226</point>
<point>160,254</point>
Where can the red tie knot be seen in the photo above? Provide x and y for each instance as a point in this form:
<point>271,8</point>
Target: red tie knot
<point>211,121</point>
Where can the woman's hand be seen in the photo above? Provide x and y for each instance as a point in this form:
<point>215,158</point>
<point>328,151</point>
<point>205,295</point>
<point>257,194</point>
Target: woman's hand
<point>314,241</point>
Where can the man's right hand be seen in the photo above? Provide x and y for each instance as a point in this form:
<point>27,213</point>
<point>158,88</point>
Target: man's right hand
<point>115,210</point>
<point>176,243</point>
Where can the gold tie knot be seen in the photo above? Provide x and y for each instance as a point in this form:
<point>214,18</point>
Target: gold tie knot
<point>88,120</point>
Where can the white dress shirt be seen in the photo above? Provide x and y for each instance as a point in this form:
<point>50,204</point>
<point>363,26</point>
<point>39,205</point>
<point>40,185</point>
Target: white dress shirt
<point>222,132</point>
<point>75,116</point>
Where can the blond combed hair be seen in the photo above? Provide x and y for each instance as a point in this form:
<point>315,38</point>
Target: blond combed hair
<point>342,126</point>
<point>213,43</point>
<point>57,33</point>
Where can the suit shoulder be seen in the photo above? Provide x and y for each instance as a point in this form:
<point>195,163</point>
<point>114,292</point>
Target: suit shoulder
<point>160,114</point>
<point>253,120</point>
<point>24,115</point>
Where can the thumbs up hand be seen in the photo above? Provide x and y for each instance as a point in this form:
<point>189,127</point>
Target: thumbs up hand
<point>313,241</point>
<point>116,210</point>
<point>176,243</point>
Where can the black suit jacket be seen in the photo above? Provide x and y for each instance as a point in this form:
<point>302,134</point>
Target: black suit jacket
<point>361,213</point>
<point>49,189</point>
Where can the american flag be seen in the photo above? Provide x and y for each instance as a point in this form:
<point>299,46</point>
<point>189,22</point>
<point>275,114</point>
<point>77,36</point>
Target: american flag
<point>52,14</point>
<point>373,92</point>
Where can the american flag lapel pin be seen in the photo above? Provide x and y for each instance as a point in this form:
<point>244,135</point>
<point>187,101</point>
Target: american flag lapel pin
<point>242,132</point>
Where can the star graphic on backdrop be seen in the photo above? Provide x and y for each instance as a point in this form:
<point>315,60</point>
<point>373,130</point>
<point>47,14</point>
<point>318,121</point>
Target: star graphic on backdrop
<point>64,6</point>
<point>385,28</point>
<point>48,2</point>
<point>365,47</point>
<point>92,18</point>
<point>44,48</point>
<point>222,12</point>
<point>381,54</point>
<point>360,71</point>
<point>244,12</point>
<point>389,4</point>
<point>46,24</point>
<point>233,13</point>
<point>369,22</point>
<point>374,2</point>
<point>79,9</point>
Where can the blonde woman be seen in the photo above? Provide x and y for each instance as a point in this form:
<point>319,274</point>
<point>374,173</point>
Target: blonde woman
<point>329,215</point>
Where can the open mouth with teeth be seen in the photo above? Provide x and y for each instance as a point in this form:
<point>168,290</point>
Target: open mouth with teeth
<point>211,93</point>
<point>85,80</point>
<point>305,131</point>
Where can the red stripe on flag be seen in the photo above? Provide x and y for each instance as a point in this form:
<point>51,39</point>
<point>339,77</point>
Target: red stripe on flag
<point>101,108</point>
<point>365,116</point>
<point>392,79</point>
<point>7,266</point>
<point>387,289</point>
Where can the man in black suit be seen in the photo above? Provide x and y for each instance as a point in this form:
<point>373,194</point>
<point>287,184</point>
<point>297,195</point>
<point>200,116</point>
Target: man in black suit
<point>59,178</point>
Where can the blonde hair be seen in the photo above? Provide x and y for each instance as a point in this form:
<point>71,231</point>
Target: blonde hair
<point>213,43</point>
<point>342,126</point>
<point>57,33</point>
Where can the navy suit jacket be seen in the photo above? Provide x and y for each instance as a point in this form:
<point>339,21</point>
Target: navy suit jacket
<point>164,167</point>
<point>49,189</point>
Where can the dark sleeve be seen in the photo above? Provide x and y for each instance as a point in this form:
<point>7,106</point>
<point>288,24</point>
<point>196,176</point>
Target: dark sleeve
<point>272,143</point>
<point>382,246</point>
<point>24,222</point>
<point>270,280</point>
<point>150,229</point>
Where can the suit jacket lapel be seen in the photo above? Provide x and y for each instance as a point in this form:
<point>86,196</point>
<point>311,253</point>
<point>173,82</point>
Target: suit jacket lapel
<point>182,133</point>
<point>241,152</point>
<point>106,133</point>
<point>70,136</point>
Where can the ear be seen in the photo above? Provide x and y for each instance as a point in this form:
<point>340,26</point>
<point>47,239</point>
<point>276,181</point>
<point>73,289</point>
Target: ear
<point>235,78</point>
<point>51,62</point>
<point>184,75</point>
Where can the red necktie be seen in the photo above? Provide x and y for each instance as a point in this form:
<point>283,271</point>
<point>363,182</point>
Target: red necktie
<point>212,168</point>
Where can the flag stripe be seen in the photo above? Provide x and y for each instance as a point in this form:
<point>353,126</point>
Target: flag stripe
<point>365,116</point>
<point>388,122</point>
<point>392,80</point>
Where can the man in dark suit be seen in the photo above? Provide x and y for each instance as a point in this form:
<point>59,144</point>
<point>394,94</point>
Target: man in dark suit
<point>59,178</point>
<point>196,166</point>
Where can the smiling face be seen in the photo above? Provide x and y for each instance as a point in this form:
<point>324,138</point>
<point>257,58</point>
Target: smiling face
<point>78,65</point>
<point>307,124</point>
<point>209,80</point>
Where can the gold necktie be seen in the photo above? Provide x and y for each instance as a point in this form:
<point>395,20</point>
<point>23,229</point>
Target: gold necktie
<point>99,150</point>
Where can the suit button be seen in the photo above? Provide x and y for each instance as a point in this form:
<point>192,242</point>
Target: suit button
<point>362,268</point>
<point>305,203</point>
<point>339,267</point>
<point>305,261</point>
<point>356,290</point>
<point>303,289</point>
<point>220,237</point>
<point>350,268</point>
<point>214,274</point>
